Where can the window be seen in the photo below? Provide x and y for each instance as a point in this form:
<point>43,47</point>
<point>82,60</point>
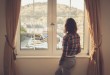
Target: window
<point>41,26</point>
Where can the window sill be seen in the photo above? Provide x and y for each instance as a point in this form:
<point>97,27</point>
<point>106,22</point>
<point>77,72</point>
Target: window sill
<point>49,57</point>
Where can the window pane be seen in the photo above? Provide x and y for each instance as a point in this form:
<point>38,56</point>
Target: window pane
<point>66,9</point>
<point>33,19</point>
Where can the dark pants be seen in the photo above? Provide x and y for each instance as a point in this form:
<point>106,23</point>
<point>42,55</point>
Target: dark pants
<point>65,68</point>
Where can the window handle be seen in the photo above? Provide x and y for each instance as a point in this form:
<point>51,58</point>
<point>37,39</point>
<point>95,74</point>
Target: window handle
<point>52,24</point>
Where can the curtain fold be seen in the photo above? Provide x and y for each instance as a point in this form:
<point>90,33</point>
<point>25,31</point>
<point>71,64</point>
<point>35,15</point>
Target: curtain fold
<point>12,15</point>
<point>95,66</point>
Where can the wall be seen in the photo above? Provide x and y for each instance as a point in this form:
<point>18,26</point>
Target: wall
<point>48,66</point>
<point>105,12</point>
<point>2,33</point>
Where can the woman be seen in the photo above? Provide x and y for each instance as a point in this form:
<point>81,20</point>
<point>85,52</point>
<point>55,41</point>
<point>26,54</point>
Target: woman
<point>71,47</point>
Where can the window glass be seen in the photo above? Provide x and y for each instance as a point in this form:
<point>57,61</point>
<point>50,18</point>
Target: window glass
<point>66,9</point>
<point>33,24</point>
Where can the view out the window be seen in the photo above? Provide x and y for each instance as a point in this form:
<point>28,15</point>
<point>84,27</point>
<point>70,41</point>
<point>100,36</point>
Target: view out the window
<point>33,30</point>
<point>66,9</point>
<point>34,22</point>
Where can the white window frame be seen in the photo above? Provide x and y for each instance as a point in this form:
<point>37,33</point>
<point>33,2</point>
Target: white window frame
<point>51,52</point>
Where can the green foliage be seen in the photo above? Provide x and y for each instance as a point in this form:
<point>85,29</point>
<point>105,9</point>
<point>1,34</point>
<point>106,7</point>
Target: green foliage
<point>22,29</point>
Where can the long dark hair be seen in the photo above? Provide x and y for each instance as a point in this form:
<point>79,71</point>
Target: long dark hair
<point>70,26</point>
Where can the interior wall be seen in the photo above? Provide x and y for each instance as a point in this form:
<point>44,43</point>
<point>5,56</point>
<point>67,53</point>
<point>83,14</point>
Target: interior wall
<point>48,66</point>
<point>105,12</point>
<point>2,33</point>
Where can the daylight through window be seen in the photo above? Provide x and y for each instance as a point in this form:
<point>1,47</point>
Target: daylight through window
<point>42,24</point>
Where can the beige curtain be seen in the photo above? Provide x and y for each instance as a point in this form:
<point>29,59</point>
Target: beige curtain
<point>95,66</point>
<point>12,15</point>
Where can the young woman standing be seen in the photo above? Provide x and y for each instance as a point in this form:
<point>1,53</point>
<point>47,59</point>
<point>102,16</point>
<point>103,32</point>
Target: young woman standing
<point>71,47</point>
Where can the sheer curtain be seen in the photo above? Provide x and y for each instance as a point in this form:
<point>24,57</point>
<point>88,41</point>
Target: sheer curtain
<point>12,15</point>
<point>95,66</point>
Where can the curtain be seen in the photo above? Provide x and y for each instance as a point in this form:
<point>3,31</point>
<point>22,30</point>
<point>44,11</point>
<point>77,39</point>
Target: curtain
<point>12,15</point>
<point>95,66</point>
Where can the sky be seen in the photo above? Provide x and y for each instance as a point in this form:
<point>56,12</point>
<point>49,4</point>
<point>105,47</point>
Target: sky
<point>74,3</point>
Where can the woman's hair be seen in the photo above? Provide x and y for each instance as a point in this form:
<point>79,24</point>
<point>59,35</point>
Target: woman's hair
<point>70,26</point>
